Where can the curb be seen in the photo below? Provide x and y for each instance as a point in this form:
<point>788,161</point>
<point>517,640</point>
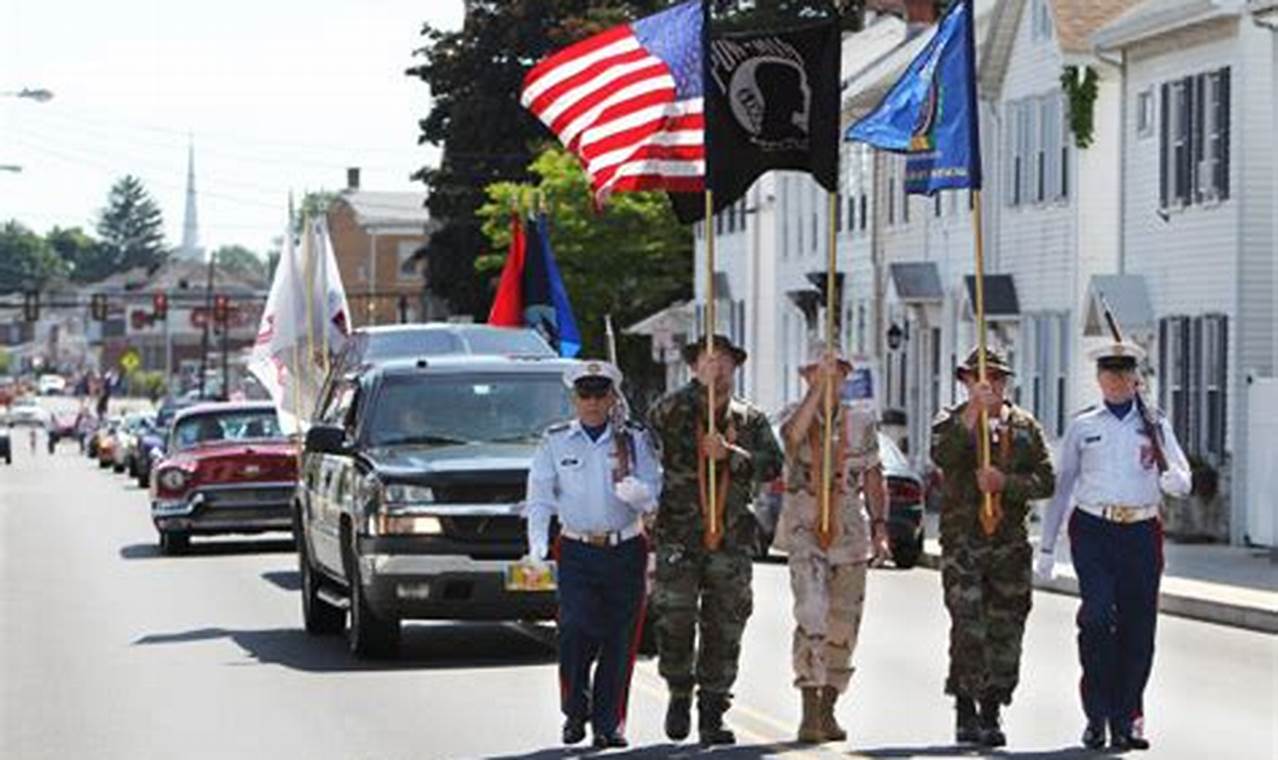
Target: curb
<point>1191,607</point>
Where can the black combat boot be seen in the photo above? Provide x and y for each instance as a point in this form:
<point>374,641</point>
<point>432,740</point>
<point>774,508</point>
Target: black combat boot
<point>1128,736</point>
<point>679,717</point>
<point>710,710</point>
<point>1094,735</point>
<point>574,731</point>
<point>991,726</point>
<point>967,730</point>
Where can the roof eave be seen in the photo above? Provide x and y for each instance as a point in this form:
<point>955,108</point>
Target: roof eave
<point>1125,33</point>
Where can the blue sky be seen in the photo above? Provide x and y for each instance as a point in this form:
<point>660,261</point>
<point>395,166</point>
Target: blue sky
<point>276,94</point>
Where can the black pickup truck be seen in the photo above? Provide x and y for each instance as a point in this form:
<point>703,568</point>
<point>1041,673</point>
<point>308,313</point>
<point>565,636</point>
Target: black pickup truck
<point>411,494</point>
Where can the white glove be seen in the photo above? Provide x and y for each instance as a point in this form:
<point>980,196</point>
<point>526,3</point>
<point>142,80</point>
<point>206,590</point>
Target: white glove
<point>633,491</point>
<point>1045,565</point>
<point>1175,482</point>
<point>538,548</point>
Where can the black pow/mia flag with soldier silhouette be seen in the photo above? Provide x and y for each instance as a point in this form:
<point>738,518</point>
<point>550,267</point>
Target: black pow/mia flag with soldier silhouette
<point>771,102</point>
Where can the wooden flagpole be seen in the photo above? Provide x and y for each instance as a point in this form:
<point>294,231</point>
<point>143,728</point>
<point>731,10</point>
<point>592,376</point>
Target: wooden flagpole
<point>989,517</point>
<point>712,535</point>
<point>825,530</point>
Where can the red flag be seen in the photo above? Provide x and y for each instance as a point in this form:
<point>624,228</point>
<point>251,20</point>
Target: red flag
<point>508,306</point>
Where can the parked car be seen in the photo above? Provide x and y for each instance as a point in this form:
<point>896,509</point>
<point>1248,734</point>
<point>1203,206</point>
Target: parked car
<point>905,506</point>
<point>25,410</point>
<point>105,441</point>
<point>153,440</point>
<point>229,470</point>
<point>8,390</point>
<point>410,505</point>
<point>126,449</point>
<point>51,385</point>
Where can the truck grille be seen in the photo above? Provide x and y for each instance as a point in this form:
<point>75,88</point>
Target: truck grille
<point>495,529</point>
<point>480,493</point>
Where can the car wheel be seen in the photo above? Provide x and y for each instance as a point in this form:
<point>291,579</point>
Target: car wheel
<point>369,635</point>
<point>319,616</point>
<point>173,542</point>
<point>905,554</point>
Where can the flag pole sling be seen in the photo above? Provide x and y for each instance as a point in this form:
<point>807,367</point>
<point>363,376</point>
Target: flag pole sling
<point>987,504</point>
<point>308,268</point>
<point>325,317</point>
<point>825,534</point>
<point>712,534</point>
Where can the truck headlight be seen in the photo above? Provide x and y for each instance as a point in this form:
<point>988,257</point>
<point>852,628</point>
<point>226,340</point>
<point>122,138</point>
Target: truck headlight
<point>382,524</point>
<point>400,494</point>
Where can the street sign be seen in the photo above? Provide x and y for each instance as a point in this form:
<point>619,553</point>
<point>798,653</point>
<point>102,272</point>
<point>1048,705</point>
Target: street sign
<point>130,361</point>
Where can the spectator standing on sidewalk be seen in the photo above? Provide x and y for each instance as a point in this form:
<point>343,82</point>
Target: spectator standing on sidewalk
<point>1110,475</point>
<point>986,569</point>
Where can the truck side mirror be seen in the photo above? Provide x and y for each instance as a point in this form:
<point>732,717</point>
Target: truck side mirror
<point>326,439</point>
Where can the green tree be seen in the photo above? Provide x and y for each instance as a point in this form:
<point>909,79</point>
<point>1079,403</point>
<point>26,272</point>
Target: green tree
<point>26,259</point>
<point>6,360</point>
<point>240,262</point>
<point>487,137</point>
<point>629,261</point>
<point>84,256</point>
<point>314,204</point>
<point>131,228</point>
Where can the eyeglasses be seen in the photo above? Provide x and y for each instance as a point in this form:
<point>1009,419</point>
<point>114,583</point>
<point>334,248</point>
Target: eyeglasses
<point>592,393</point>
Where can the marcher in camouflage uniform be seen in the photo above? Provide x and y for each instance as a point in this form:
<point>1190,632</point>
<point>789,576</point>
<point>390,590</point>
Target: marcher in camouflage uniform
<point>702,593</point>
<point>987,578</point>
<point>828,583</point>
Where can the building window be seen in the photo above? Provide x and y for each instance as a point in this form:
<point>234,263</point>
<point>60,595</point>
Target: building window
<point>1145,113</point>
<point>1193,354</point>
<point>1194,139</point>
<point>1018,151</point>
<point>905,202</point>
<point>891,201</point>
<point>732,218</point>
<point>861,215</point>
<point>860,329</point>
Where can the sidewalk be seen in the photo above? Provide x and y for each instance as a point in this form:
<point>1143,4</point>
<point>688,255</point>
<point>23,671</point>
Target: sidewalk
<point>1229,585</point>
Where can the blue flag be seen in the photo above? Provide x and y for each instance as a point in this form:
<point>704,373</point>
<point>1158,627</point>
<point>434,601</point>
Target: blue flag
<point>930,113</point>
<point>545,299</point>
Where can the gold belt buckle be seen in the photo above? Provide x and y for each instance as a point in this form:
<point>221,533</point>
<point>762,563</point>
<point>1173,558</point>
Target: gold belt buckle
<point>1123,514</point>
<point>597,539</point>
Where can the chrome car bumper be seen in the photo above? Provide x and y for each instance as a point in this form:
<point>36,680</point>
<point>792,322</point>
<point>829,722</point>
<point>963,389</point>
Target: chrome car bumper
<point>239,508</point>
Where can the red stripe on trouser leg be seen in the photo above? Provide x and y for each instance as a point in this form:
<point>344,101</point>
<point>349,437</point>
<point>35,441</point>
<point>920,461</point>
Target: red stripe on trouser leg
<point>624,699</point>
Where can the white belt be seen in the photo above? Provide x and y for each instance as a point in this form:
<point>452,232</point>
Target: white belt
<point>1121,513</point>
<point>609,538</point>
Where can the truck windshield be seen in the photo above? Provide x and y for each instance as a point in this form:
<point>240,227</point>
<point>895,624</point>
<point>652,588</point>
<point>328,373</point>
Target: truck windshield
<point>444,409</point>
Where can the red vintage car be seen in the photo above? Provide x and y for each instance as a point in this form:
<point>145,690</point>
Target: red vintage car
<point>228,469</point>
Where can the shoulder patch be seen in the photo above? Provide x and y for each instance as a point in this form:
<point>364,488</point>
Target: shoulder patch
<point>558,427</point>
<point>1086,410</point>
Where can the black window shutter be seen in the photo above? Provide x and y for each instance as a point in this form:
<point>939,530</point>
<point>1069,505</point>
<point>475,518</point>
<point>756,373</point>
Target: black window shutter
<point>1164,137</point>
<point>1222,124</point>
<point>1224,366</point>
<point>1197,395</point>
<point>1183,359</point>
<point>1164,372</point>
<point>1186,117</point>
<point>1198,135</point>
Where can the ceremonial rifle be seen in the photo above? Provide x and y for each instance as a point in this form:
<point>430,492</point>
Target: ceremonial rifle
<point>1149,424</point>
<point>620,412</point>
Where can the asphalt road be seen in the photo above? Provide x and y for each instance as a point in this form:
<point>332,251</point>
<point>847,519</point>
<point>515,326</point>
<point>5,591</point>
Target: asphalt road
<point>109,650</point>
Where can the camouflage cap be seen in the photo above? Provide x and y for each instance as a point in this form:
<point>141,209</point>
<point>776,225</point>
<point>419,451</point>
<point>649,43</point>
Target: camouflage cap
<point>692,351</point>
<point>994,362</point>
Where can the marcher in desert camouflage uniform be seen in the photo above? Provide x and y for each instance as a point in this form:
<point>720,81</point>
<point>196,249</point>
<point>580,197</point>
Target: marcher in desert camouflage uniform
<point>700,593</point>
<point>828,584</point>
<point>987,578</point>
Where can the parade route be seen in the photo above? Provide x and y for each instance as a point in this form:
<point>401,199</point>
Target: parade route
<point>111,650</point>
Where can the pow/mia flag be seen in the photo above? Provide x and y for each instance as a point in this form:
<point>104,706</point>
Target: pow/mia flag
<point>771,102</point>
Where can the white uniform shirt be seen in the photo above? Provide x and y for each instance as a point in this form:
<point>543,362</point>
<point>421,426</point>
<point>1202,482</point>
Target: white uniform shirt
<point>1105,460</point>
<point>571,476</point>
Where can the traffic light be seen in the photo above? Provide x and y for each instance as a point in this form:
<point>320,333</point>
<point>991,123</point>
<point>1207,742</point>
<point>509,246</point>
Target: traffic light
<point>31,306</point>
<point>221,308</point>
<point>160,306</point>
<point>98,307</point>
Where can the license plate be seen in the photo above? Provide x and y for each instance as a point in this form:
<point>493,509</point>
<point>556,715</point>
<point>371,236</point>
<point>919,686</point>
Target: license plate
<point>525,576</point>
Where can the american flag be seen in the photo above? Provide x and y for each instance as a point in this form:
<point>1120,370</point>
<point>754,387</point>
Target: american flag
<point>628,103</point>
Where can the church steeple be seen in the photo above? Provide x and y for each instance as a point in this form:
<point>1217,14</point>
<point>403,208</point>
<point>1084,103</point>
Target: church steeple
<point>190,250</point>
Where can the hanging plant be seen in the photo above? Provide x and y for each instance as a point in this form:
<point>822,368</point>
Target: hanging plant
<point>1081,91</point>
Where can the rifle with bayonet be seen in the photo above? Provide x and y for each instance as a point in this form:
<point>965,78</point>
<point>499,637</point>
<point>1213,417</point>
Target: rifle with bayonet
<point>1149,424</point>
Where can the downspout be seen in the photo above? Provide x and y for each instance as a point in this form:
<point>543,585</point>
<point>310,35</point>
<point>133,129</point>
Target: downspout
<point>1121,63</point>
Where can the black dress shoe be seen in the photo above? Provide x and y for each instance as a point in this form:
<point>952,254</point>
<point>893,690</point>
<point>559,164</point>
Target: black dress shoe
<point>574,731</point>
<point>612,739</point>
<point>1124,742</point>
<point>1094,736</point>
